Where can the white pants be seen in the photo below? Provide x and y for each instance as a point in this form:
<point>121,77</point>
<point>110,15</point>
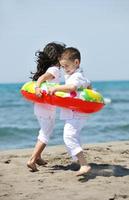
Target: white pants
<point>47,126</point>
<point>71,136</point>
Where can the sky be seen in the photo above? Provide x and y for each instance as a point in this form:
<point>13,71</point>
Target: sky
<point>98,28</point>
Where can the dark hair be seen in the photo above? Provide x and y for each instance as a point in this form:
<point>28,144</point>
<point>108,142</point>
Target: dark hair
<point>71,53</point>
<point>47,58</point>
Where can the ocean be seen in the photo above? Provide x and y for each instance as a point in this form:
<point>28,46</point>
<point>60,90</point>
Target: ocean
<point>19,127</point>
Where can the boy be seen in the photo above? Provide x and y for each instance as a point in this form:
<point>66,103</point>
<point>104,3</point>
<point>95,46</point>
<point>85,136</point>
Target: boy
<point>74,121</point>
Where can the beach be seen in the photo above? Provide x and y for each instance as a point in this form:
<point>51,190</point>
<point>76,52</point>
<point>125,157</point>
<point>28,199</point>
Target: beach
<point>108,179</point>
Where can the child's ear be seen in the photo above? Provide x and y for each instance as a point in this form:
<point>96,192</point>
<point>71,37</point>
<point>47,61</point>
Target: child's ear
<point>77,62</point>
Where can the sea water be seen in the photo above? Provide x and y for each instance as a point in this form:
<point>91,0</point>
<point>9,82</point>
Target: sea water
<point>19,127</point>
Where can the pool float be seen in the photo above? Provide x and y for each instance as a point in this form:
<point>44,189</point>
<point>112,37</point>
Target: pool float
<point>83,100</point>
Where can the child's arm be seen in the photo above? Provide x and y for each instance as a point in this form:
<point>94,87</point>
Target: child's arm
<point>41,79</point>
<point>63,88</point>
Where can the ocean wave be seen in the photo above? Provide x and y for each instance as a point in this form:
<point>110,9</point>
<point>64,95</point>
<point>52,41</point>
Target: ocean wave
<point>120,100</point>
<point>116,128</point>
<point>15,131</point>
<point>11,105</point>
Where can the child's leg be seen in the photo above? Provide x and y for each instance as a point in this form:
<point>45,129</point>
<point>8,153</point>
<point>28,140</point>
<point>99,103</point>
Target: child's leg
<point>45,132</point>
<point>47,126</point>
<point>39,147</point>
<point>84,167</point>
<point>72,130</point>
<point>72,138</point>
<point>75,159</point>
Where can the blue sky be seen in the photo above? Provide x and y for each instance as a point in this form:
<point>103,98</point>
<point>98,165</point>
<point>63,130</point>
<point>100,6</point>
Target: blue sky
<point>98,28</point>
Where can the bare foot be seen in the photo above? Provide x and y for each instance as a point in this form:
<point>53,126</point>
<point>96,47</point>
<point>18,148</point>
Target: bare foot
<point>83,170</point>
<point>40,161</point>
<point>32,166</point>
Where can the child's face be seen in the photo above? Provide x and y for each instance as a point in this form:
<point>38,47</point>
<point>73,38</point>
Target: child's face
<point>69,66</point>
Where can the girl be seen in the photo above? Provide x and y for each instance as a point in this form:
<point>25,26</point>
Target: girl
<point>74,121</point>
<point>47,70</point>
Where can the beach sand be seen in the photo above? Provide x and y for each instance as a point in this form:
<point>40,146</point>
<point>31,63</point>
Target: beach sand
<point>108,179</point>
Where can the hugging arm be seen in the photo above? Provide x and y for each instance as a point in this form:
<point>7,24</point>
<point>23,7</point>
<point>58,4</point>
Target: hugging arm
<point>41,79</point>
<point>62,88</point>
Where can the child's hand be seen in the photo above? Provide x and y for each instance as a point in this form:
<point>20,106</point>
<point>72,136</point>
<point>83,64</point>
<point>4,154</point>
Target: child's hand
<point>38,91</point>
<point>51,90</point>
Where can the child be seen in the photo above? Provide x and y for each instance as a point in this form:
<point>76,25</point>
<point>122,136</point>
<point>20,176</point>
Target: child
<point>47,70</point>
<point>75,121</point>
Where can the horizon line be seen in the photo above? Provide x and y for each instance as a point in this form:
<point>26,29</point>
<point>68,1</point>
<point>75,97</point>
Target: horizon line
<point>111,80</point>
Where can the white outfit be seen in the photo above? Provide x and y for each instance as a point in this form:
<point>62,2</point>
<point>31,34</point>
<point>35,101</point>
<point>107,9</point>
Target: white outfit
<point>75,121</point>
<point>45,113</point>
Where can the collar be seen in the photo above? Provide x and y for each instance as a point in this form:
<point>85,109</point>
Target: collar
<point>77,70</point>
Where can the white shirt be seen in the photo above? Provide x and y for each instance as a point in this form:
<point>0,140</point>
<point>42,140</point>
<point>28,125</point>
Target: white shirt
<point>55,71</point>
<point>47,110</point>
<point>79,80</point>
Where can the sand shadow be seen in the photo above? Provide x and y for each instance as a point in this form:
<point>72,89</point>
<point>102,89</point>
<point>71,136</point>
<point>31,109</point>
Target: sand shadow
<point>72,167</point>
<point>105,170</point>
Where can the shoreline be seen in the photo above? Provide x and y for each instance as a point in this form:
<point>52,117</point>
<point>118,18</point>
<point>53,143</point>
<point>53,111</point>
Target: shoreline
<point>59,146</point>
<point>108,179</point>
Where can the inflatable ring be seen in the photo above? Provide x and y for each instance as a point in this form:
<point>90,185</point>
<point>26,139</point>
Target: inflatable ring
<point>84,100</point>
